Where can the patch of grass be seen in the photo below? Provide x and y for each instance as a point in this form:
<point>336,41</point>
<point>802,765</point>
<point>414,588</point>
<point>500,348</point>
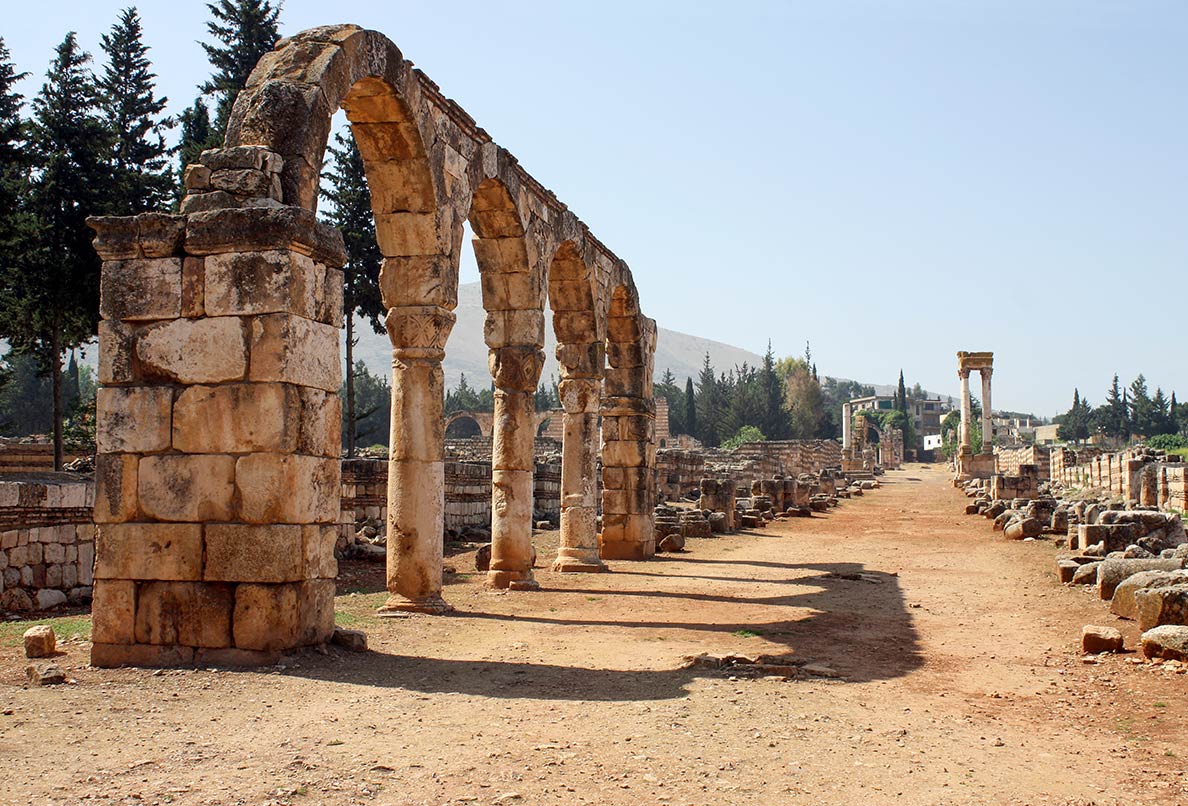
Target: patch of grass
<point>1160,704</point>
<point>335,742</point>
<point>746,634</point>
<point>344,619</point>
<point>593,598</point>
<point>65,627</point>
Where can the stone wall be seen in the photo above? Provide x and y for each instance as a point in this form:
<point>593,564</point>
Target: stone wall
<point>26,455</point>
<point>47,547</point>
<point>1008,460</point>
<point>1149,477</point>
<point>678,473</point>
<point>782,457</point>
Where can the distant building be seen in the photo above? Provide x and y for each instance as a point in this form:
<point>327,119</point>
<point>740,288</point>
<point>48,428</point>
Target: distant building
<point>1046,434</point>
<point>926,413</point>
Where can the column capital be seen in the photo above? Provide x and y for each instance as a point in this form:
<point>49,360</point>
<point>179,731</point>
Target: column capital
<point>419,331</point>
<point>963,373</point>
<point>986,373</point>
<point>579,395</point>
<point>516,368</point>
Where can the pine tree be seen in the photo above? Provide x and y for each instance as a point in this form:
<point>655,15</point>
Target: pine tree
<point>51,299</point>
<point>140,158</point>
<point>708,409</point>
<point>775,417</point>
<point>246,30</point>
<point>346,189</point>
<point>1142,421</point>
<point>196,136</point>
<point>1161,420</point>
<point>1174,414</point>
<point>690,408</point>
<point>13,162</point>
<point>1115,417</point>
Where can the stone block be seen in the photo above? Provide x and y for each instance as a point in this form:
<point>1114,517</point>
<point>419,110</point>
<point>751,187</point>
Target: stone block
<point>1168,641</point>
<point>195,614</point>
<point>116,352</point>
<point>1167,604</point>
<point>266,617</point>
<point>266,228</point>
<point>115,487</point>
<point>113,612</point>
<point>133,419</point>
<point>315,605</point>
<point>277,488</point>
<point>190,351</point>
<point>522,327</point>
<point>237,552</point>
<point>111,656</point>
<point>193,303</point>
<point>187,487</point>
<point>160,551</point>
<point>1113,572</point>
<point>238,418</point>
<point>1096,639</point>
<point>277,281</point>
<point>416,280</point>
<point>317,549</point>
<point>294,349</point>
<point>141,289</point>
<point>40,641</point>
<point>411,233</point>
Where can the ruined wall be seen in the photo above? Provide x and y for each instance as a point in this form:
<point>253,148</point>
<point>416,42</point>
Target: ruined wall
<point>1149,477</point>
<point>1008,460</point>
<point>25,455</point>
<point>47,547</point>
<point>678,473</point>
<point>789,457</point>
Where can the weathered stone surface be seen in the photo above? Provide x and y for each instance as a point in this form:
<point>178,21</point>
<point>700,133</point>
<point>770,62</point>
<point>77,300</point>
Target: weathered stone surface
<point>48,598</point>
<point>237,552</point>
<point>45,674</point>
<point>1168,641</point>
<point>166,551</point>
<point>1123,602</point>
<point>1113,572</point>
<point>277,281</point>
<point>133,419</point>
<point>266,616</point>
<point>113,612</point>
<point>191,488</point>
<point>115,487</point>
<point>351,640</point>
<point>195,614</point>
<point>1086,574</point>
<point>210,350</point>
<point>294,349</point>
<point>1163,605</point>
<point>117,347</point>
<point>1096,639</point>
<point>141,289</point>
<point>1023,528</point>
<point>228,230</point>
<point>40,642</point>
<point>280,488</point>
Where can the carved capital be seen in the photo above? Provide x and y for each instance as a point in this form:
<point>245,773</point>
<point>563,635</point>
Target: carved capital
<point>581,360</point>
<point>516,369</point>
<point>419,331</point>
<point>579,395</point>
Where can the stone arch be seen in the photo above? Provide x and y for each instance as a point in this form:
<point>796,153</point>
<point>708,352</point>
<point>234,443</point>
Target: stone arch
<point>246,272</point>
<point>481,425</point>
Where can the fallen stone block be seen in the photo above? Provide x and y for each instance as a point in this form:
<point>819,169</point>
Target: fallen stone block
<point>1086,574</point>
<point>672,542</point>
<point>1025,527</point>
<point>40,642</point>
<point>1125,604</point>
<point>1112,572</point>
<point>1163,605</point>
<point>351,640</point>
<point>1065,569</point>
<point>1096,639</point>
<point>45,674</point>
<point>1168,641</point>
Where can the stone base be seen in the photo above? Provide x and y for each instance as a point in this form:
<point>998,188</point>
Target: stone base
<point>514,580</point>
<point>623,550</point>
<point>398,606</point>
<point>111,656</point>
<point>566,565</point>
<point>975,466</point>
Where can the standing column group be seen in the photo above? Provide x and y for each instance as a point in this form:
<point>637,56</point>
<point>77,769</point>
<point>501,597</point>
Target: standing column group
<point>987,418</point>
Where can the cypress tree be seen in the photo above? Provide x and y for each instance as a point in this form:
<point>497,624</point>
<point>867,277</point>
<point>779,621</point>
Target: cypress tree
<point>244,31</point>
<point>196,136</point>
<point>140,164</point>
<point>51,299</point>
<point>690,408</point>
<point>346,189</point>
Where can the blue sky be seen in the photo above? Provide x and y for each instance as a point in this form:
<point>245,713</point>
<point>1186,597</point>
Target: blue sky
<point>892,181</point>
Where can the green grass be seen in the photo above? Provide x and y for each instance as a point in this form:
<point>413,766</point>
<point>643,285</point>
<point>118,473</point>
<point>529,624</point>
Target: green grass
<point>746,634</point>
<point>65,627</point>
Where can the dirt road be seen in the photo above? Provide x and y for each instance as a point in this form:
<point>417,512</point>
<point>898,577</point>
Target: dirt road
<point>958,681</point>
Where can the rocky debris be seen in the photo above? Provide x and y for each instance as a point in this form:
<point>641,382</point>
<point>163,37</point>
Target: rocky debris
<point>40,642</point>
<point>1023,527</point>
<point>671,542</point>
<point>759,666</point>
<point>351,640</point>
<point>1162,605</point>
<point>1095,639</point>
<point>1086,574</point>
<point>1168,641</point>
<point>45,674</point>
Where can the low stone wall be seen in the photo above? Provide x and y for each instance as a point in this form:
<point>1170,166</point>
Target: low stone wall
<point>22,456</point>
<point>678,473</point>
<point>47,541</point>
<point>1149,477</point>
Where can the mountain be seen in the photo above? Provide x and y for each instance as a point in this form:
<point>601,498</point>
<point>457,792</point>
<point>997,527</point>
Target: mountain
<point>466,352</point>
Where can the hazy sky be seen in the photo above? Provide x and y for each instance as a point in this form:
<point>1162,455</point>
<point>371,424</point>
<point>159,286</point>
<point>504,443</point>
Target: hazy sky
<point>892,181</point>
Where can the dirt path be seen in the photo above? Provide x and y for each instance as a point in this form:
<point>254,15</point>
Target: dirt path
<point>958,682</point>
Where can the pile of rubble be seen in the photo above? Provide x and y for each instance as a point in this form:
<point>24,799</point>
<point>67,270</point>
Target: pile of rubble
<point>1135,556</point>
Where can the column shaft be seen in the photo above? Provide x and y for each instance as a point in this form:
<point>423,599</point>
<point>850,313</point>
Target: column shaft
<point>966,414</point>
<point>987,416</point>
<point>578,549</point>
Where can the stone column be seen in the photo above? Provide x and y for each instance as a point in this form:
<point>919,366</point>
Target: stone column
<point>516,371</point>
<point>416,474</point>
<point>628,526</point>
<point>847,425</point>
<point>578,549</point>
<point>987,416</point>
<point>966,412</point>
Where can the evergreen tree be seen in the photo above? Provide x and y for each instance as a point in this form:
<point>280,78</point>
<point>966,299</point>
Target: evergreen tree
<point>1074,425</point>
<point>1142,420</point>
<point>140,165</point>
<point>1161,419</point>
<point>775,418</point>
<point>13,162</point>
<point>709,408</point>
<point>51,299</point>
<point>668,389</point>
<point>690,408</point>
<point>244,31</point>
<point>1115,419</point>
<point>1174,412</point>
<point>346,189</point>
<point>902,394</point>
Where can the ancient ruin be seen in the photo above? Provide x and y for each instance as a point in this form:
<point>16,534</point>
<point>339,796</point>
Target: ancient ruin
<point>969,464</point>
<point>218,482</point>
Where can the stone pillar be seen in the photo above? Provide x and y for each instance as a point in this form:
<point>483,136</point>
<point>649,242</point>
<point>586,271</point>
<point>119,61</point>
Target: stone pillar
<point>847,426</point>
<point>987,416</point>
<point>966,413</point>
<point>416,474</point>
<point>627,479</point>
<point>578,549</point>
<point>218,425</point>
<point>516,371</point>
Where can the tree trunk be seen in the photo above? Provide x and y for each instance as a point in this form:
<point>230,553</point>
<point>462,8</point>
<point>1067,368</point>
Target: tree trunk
<point>56,368</point>
<point>350,385</point>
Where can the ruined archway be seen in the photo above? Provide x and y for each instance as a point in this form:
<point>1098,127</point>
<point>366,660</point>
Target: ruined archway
<point>218,469</point>
<point>463,425</point>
